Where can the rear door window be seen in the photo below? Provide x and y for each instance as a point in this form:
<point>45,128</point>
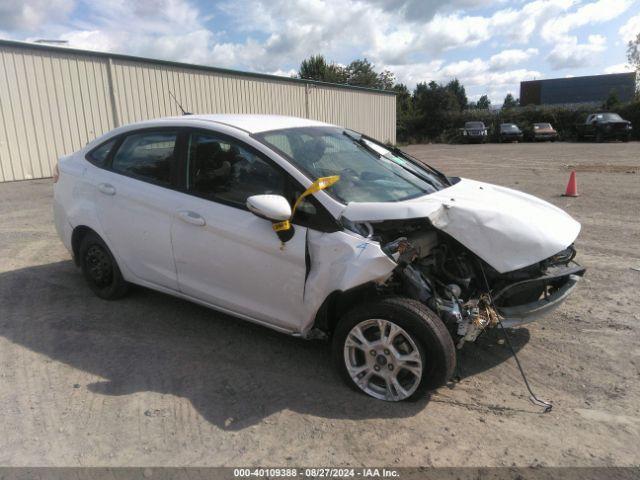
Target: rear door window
<point>148,156</point>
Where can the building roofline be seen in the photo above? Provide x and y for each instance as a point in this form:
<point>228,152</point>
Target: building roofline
<point>580,76</point>
<point>169,63</point>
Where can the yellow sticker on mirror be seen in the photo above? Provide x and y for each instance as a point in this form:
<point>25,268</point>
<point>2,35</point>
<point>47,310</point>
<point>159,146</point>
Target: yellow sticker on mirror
<point>280,226</point>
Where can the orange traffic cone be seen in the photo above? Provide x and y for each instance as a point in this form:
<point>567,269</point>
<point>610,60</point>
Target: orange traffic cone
<point>572,186</point>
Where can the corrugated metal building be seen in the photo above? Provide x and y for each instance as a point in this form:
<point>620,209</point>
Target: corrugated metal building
<point>573,90</point>
<point>53,100</point>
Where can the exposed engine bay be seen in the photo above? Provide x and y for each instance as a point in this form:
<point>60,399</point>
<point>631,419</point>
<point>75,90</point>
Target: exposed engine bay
<point>466,292</point>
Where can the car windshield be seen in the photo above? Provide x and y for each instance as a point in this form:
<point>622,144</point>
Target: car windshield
<point>542,125</point>
<point>509,126</point>
<point>368,171</point>
<point>611,117</point>
<point>474,125</point>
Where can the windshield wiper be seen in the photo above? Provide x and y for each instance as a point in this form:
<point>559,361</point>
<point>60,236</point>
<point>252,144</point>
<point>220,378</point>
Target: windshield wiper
<point>361,141</point>
<point>397,151</point>
<point>437,172</point>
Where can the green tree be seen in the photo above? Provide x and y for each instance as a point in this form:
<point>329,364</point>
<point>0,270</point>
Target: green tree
<point>432,103</point>
<point>387,80</point>
<point>316,67</point>
<point>633,56</point>
<point>361,73</point>
<point>509,101</point>
<point>612,101</point>
<point>483,103</point>
<point>457,89</point>
<point>403,99</point>
<point>633,53</point>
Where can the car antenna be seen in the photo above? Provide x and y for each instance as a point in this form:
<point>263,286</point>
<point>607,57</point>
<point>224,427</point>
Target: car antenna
<point>178,103</point>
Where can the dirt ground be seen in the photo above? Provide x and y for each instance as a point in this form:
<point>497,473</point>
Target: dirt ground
<point>155,381</point>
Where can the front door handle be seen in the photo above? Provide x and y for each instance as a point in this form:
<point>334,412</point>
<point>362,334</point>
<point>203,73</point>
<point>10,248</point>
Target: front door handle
<point>191,217</point>
<point>107,189</point>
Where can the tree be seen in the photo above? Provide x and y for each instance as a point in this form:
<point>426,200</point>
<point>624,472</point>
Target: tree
<point>509,101</point>
<point>317,68</point>
<point>633,53</point>
<point>387,80</point>
<point>457,89</point>
<point>483,103</point>
<point>361,73</point>
<point>612,101</point>
<point>403,99</point>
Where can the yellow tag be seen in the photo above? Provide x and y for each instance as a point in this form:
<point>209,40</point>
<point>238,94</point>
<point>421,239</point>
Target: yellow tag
<point>319,184</point>
<point>278,227</point>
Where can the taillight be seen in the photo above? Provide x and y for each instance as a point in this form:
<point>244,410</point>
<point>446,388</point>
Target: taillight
<point>56,173</point>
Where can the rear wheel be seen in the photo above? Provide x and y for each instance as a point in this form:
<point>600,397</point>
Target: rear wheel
<point>100,269</point>
<point>393,349</point>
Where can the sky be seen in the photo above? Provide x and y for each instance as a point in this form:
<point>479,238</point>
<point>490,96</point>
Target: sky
<point>489,45</point>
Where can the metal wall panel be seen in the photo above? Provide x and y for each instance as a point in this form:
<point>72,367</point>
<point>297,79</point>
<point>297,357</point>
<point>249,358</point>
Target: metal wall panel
<point>50,105</point>
<point>55,100</point>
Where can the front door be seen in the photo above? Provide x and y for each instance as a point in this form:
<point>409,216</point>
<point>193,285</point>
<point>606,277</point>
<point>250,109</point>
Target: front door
<point>224,254</point>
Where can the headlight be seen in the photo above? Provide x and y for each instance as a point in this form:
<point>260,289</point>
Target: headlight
<point>464,132</point>
<point>484,132</point>
<point>629,127</point>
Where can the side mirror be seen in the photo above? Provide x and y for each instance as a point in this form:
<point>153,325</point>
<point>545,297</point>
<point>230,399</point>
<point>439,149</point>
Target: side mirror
<point>272,207</point>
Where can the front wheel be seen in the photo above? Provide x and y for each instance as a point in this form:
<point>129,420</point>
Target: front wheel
<point>393,349</point>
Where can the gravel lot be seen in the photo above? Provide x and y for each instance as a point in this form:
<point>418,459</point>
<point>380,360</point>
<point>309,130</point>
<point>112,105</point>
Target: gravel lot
<point>153,380</point>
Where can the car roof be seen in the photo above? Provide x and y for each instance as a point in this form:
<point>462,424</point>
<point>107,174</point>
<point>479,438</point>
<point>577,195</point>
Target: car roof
<point>252,123</point>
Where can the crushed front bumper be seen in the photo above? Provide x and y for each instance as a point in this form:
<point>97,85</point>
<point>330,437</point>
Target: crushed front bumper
<point>556,286</point>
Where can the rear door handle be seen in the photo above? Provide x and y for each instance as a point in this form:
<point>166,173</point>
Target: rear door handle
<point>191,217</point>
<point>107,189</point>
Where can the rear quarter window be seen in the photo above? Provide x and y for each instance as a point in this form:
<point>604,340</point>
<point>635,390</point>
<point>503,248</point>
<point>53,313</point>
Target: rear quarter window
<point>99,155</point>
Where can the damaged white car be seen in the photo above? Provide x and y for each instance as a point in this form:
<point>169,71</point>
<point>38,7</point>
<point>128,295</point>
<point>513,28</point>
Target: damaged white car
<point>316,231</point>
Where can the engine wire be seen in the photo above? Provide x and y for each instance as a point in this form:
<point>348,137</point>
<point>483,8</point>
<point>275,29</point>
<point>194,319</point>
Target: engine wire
<point>546,406</point>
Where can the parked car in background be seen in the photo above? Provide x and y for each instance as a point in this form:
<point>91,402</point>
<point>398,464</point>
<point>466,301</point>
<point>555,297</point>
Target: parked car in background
<point>474,132</point>
<point>316,231</point>
<point>604,126</point>
<point>509,132</point>
<point>541,132</point>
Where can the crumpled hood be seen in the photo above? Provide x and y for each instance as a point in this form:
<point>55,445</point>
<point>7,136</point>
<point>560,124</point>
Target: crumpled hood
<point>508,229</point>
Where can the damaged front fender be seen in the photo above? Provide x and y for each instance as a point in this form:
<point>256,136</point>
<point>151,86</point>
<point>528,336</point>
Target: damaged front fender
<point>340,261</point>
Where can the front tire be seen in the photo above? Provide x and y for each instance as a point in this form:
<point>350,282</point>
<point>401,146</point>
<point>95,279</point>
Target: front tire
<point>393,349</point>
<point>100,269</point>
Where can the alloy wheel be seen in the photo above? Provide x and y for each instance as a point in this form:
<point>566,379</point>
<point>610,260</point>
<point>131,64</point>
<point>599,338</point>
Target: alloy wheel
<point>383,360</point>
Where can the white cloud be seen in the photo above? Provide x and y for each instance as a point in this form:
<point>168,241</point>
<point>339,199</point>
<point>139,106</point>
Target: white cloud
<point>558,28</point>
<point>410,37</point>
<point>28,15</point>
<point>507,58</point>
<point>618,68</point>
<point>568,53</point>
<point>630,30</point>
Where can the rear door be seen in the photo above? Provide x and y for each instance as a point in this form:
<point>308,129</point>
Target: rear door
<point>226,255</point>
<point>136,196</point>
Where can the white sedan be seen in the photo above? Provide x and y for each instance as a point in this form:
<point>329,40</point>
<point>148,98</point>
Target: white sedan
<point>317,231</point>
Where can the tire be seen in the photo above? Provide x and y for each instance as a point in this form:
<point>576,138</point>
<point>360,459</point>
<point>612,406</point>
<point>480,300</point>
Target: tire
<point>100,269</point>
<point>423,361</point>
